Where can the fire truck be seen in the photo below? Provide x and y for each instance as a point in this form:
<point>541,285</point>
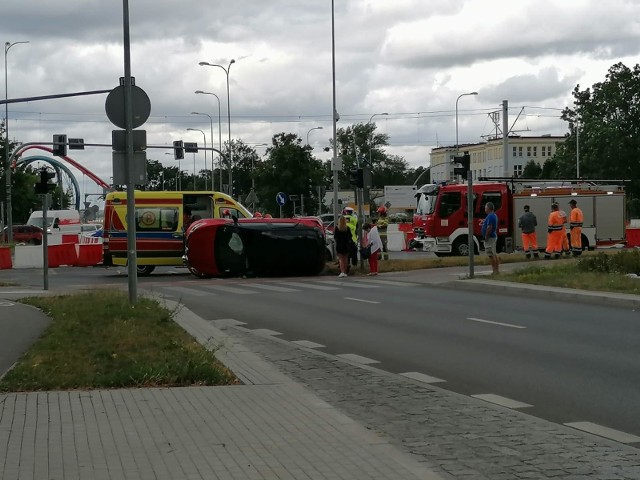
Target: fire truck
<point>440,222</point>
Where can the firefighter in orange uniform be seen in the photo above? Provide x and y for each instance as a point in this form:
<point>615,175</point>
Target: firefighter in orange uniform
<point>575,225</point>
<point>554,230</point>
<point>565,240</point>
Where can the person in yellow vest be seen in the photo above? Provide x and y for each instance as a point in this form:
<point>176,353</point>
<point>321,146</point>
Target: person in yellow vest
<point>554,231</point>
<point>576,220</point>
<point>382,224</point>
<point>352,222</point>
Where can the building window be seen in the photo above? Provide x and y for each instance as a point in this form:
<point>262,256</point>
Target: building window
<point>519,151</point>
<point>535,151</point>
<point>517,170</point>
<point>528,151</point>
<point>544,150</point>
<point>514,151</point>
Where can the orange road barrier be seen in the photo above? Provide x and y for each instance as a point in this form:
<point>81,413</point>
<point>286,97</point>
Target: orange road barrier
<point>63,254</point>
<point>89,254</point>
<point>5,258</point>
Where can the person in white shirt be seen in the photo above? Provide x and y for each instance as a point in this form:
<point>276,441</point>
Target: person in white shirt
<point>372,240</point>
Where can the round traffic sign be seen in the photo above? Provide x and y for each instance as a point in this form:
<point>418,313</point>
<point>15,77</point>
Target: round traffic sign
<point>281,198</point>
<point>140,105</point>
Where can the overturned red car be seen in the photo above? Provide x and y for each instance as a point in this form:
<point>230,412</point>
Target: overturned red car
<point>255,247</point>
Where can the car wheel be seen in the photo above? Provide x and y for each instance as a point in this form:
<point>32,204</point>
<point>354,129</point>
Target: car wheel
<point>144,270</point>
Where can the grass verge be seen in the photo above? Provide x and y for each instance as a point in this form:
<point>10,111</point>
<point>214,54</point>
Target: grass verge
<point>571,275</point>
<point>96,340</point>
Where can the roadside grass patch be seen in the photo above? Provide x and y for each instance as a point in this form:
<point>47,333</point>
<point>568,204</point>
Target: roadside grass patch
<point>97,340</point>
<point>574,275</point>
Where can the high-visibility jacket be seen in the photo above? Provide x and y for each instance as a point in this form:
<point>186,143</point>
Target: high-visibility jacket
<point>555,226</point>
<point>577,218</point>
<point>352,223</point>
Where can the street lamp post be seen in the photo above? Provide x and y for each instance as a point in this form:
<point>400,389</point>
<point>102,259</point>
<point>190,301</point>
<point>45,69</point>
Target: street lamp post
<point>194,157</point>
<point>7,167</point>
<point>459,97</point>
<point>371,140</point>
<point>227,70</point>
<point>219,135</point>
<point>213,184</point>
<point>311,130</point>
<point>577,148</point>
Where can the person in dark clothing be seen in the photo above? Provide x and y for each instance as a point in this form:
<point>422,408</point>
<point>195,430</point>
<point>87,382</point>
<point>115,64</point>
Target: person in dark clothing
<point>342,237</point>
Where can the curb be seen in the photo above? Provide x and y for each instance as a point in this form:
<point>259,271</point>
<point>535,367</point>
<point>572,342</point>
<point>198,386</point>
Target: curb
<point>623,300</point>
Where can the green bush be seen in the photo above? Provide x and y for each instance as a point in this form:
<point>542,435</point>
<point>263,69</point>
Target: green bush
<point>626,261</point>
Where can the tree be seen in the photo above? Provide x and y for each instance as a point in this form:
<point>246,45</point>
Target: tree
<point>608,118</point>
<point>289,167</point>
<point>532,169</point>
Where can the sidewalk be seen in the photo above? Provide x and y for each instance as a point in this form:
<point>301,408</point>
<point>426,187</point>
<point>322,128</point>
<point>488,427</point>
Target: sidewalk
<point>269,428</point>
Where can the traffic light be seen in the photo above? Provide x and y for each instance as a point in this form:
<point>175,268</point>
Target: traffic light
<point>178,150</point>
<point>43,186</point>
<point>356,177</point>
<point>60,145</point>
<point>465,161</point>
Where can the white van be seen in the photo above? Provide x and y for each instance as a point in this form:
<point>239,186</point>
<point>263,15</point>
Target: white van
<point>58,221</point>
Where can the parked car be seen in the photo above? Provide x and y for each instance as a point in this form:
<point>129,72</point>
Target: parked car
<point>255,246</point>
<point>29,234</point>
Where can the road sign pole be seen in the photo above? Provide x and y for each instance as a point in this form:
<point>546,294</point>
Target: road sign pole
<point>45,241</point>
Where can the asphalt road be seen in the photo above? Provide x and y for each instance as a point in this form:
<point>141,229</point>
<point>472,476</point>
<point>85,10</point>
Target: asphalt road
<point>570,362</point>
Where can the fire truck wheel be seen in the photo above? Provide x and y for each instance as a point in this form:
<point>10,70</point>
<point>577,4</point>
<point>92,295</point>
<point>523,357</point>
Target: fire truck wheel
<point>460,248</point>
<point>144,270</point>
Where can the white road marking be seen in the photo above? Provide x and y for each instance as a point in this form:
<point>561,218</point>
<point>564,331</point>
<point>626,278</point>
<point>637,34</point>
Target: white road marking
<point>494,323</point>
<point>360,300</point>
<point>605,432</point>
<point>188,291</point>
<point>265,331</point>
<point>227,289</point>
<point>308,344</point>
<point>357,358</point>
<point>6,304</point>
<point>421,377</point>
<point>309,285</point>
<point>228,322</point>
<point>393,283</point>
<point>498,400</point>
<point>272,288</point>
<point>350,283</point>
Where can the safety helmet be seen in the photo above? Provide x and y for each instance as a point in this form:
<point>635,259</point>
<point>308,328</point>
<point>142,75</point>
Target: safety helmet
<point>257,215</point>
<point>226,212</point>
<point>382,209</point>
<point>347,211</point>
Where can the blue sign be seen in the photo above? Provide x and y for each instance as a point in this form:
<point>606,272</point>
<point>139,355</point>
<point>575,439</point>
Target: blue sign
<point>281,198</point>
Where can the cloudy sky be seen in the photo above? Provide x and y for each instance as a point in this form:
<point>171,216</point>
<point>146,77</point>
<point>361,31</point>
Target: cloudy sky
<point>408,58</point>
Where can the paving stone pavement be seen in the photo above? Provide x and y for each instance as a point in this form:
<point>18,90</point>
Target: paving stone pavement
<point>455,435</point>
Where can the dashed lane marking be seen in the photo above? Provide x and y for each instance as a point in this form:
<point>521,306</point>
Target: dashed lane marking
<point>308,344</point>
<point>494,323</point>
<point>357,358</point>
<point>6,304</point>
<point>498,400</point>
<point>272,288</point>
<point>605,432</point>
<point>394,283</point>
<point>227,289</point>
<point>350,283</point>
<point>266,332</point>
<point>312,286</point>
<point>360,300</point>
<point>228,322</point>
<point>421,377</point>
<point>188,291</point>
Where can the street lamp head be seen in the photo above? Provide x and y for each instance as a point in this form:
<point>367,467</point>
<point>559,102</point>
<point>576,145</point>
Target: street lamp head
<point>232,61</point>
<point>196,113</point>
<point>202,64</point>
<point>199,91</point>
<point>473,93</point>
